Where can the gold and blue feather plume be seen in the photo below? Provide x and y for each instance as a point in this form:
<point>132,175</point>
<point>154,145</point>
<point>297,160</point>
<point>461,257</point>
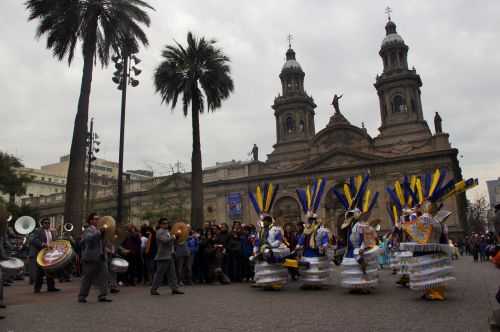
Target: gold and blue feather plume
<point>310,197</point>
<point>355,194</point>
<point>264,198</point>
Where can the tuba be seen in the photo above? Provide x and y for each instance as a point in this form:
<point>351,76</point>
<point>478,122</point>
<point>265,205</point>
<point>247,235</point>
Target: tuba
<point>25,225</point>
<point>181,232</point>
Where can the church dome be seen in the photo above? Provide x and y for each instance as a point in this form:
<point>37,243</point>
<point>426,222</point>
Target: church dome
<point>291,63</point>
<point>392,37</point>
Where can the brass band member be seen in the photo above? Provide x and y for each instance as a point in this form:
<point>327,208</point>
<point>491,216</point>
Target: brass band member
<point>93,261</point>
<point>42,237</point>
<point>164,259</point>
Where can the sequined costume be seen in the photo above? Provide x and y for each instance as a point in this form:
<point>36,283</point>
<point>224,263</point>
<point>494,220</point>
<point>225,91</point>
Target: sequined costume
<point>360,264</point>
<point>430,268</point>
<point>269,251</point>
<point>313,243</point>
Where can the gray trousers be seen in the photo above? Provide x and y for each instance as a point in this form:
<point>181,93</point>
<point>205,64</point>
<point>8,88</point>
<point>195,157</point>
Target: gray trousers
<point>164,267</point>
<point>93,273</point>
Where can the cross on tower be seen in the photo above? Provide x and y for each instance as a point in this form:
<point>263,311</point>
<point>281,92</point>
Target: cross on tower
<point>289,37</point>
<point>388,11</point>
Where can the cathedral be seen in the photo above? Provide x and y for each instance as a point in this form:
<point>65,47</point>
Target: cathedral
<point>405,145</point>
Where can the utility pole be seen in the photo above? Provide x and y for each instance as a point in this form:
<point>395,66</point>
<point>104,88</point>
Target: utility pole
<point>123,77</point>
<point>92,143</point>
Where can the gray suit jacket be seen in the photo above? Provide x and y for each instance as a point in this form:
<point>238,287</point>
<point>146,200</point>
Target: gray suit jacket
<point>92,245</point>
<point>165,243</point>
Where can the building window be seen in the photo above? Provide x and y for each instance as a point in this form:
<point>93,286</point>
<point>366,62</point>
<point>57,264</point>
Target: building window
<point>398,104</point>
<point>413,105</point>
<point>290,124</point>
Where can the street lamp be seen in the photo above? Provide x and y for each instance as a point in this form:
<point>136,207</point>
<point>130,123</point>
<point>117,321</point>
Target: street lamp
<point>123,76</point>
<point>92,150</point>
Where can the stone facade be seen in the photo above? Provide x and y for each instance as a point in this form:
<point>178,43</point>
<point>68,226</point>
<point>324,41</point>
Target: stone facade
<point>404,146</point>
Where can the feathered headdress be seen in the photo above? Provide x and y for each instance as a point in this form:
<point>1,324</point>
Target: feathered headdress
<point>263,199</point>
<point>310,197</point>
<point>403,197</point>
<point>356,196</point>
<point>428,188</point>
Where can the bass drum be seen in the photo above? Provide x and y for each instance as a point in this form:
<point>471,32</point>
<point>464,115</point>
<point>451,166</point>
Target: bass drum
<point>119,265</point>
<point>56,257</point>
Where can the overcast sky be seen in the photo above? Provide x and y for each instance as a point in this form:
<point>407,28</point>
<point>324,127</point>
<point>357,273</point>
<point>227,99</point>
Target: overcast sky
<point>454,45</point>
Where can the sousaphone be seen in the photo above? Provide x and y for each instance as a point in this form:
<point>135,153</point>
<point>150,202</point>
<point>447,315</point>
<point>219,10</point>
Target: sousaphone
<point>25,225</point>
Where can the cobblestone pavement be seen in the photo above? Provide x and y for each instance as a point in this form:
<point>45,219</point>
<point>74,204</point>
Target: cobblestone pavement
<point>238,307</point>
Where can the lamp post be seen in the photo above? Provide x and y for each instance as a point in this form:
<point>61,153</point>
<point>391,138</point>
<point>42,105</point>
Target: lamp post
<point>123,76</point>
<point>92,149</point>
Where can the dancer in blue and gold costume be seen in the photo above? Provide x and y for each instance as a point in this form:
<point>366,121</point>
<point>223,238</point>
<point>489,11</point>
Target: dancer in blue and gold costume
<point>401,209</point>
<point>269,252</point>
<point>360,265</point>
<point>316,266</point>
<point>430,268</point>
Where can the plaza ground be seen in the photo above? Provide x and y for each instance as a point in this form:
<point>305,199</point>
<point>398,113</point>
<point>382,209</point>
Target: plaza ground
<point>239,307</point>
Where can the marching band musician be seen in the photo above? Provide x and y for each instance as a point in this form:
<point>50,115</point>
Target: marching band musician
<point>42,237</point>
<point>93,261</point>
<point>164,259</point>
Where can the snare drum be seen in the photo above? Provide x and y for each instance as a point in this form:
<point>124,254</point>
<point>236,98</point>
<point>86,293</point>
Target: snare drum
<point>56,257</point>
<point>119,265</point>
<point>12,265</point>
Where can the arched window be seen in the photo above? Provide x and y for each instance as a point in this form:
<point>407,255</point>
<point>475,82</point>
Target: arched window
<point>289,125</point>
<point>398,104</point>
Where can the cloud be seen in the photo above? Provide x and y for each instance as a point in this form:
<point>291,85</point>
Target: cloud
<point>337,44</point>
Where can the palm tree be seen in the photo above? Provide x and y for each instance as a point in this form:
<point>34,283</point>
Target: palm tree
<point>200,72</point>
<point>100,26</point>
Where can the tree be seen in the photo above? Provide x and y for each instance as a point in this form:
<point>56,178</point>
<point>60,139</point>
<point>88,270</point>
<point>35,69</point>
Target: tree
<point>477,212</point>
<point>201,73</point>
<point>12,183</point>
<point>101,26</point>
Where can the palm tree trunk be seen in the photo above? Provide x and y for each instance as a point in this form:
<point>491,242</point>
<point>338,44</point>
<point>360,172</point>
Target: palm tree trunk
<point>196,167</point>
<point>76,172</point>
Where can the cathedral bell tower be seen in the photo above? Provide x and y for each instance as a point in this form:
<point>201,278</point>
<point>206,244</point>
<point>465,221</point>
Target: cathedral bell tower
<point>294,109</point>
<point>398,89</point>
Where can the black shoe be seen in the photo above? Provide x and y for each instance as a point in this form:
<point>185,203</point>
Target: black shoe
<point>176,291</point>
<point>104,299</point>
<point>82,300</point>
<point>53,290</point>
<point>2,317</point>
<point>36,291</point>
<point>114,290</point>
<point>3,306</point>
<point>154,292</point>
